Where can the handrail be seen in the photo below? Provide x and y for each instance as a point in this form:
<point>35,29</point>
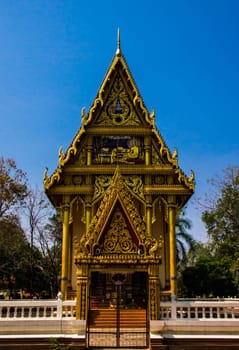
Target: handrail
<point>198,309</point>
<point>22,309</point>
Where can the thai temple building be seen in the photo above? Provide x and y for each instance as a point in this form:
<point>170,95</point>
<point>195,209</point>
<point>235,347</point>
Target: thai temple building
<point>119,189</point>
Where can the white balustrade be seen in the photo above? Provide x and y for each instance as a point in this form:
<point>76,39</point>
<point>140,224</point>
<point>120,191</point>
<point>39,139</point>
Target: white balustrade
<point>174,310</point>
<point>26,309</point>
<point>197,309</point>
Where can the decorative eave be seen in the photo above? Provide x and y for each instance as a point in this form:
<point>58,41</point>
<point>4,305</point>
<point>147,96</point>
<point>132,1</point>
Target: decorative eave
<point>48,181</point>
<point>148,190</point>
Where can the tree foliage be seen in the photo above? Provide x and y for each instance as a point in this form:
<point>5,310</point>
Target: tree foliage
<point>205,275</point>
<point>14,254</point>
<point>184,240</point>
<point>50,242</point>
<point>14,246</point>
<point>43,229</point>
<point>13,186</point>
<point>30,243</point>
<point>213,268</point>
<point>222,220</point>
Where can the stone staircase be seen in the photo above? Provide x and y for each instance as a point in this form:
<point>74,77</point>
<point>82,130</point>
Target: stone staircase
<point>107,318</point>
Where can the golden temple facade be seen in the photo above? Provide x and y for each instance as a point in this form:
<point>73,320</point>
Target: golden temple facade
<point>119,190</point>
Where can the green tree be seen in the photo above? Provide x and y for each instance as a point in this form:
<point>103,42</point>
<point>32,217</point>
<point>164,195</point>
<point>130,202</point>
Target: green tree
<point>204,275</point>
<point>30,256</point>
<point>13,244</point>
<point>221,218</point>
<point>184,243</point>
<point>51,243</point>
<point>13,187</point>
<point>184,240</point>
<point>14,255</point>
<point>43,229</point>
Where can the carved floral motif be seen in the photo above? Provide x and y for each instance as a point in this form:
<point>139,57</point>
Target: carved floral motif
<point>118,238</point>
<point>118,108</point>
<point>134,184</point>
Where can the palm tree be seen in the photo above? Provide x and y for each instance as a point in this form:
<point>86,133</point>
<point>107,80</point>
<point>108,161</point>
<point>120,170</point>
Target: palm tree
<point>184,240</point>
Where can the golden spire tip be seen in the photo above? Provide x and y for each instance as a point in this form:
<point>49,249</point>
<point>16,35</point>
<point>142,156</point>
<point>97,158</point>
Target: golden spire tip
<point>118,51</point>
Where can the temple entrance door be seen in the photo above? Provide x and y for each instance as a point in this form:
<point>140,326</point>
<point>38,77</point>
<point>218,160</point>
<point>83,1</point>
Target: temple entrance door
<point>118,314</point>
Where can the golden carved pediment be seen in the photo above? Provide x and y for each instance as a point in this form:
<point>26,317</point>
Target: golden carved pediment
<point>118,237</point>
<point>117,226</point>
<point>118,108</point>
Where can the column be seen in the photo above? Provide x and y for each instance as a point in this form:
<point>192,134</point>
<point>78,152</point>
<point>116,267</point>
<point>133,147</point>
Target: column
<point>147,149</point>
<point>154,292</point>
<point>88,206</point>
<point>89,151</point>
<point>82,292</point>
<point>167,257</point>
<point>69,267</point>
<point>172,248</point>
<point>87,216</point>
<point>65,248</point>
<point>149,218</point>
<point>148,200</point>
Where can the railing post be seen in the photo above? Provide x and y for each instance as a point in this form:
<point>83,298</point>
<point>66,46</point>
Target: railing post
<point>173,307</point>
<point>59,308</point>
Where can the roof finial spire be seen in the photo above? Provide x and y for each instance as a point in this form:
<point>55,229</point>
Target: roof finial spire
<point>118,51</point>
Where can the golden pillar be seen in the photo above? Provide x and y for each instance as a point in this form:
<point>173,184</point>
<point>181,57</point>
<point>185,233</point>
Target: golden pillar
<point>172,248</point>
<point>69,268</point>
<point>87,216</point>
<point>82,287</point>
<point>149,219</point>
<point>65,248</point>
<point>147,148</point>
<point>88,207</point>
<point>167,258</point>
<point>154,292</point>
<point>89,151</point>
<point>148,209</point>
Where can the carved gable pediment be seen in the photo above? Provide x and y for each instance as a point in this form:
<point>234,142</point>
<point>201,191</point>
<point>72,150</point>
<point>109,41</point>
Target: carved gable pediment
<point>117,201</point>
<point>118,108</point>
<point>118,236</point>
<point>117,228</point>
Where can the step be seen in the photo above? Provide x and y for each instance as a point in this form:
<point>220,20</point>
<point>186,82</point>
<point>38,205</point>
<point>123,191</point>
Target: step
<point>128,318</point>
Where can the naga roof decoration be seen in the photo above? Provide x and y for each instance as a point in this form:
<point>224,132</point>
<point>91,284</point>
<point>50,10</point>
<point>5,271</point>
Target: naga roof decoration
<point>118,92</point>
<point>117,200</point>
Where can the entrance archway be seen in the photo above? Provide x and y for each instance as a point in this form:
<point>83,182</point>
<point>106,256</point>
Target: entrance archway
<point>118,312</point>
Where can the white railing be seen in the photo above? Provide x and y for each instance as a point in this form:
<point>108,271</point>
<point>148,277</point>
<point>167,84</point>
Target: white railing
<point>27,309</point>
<point>197,309</point>
<point>173,310</point>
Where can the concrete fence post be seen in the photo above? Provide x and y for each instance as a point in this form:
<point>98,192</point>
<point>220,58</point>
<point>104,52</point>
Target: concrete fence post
<point>173,307</point>
<point>59,308</point>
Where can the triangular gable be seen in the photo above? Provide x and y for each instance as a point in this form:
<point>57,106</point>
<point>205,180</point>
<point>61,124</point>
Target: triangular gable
<point>119,95</point>
<point>117,201</point>
<point>119,103</point>
<point>116,193</point>
<point>118,235</point>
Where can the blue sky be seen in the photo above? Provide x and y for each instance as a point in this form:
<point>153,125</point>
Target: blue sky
<point>184,57</point>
